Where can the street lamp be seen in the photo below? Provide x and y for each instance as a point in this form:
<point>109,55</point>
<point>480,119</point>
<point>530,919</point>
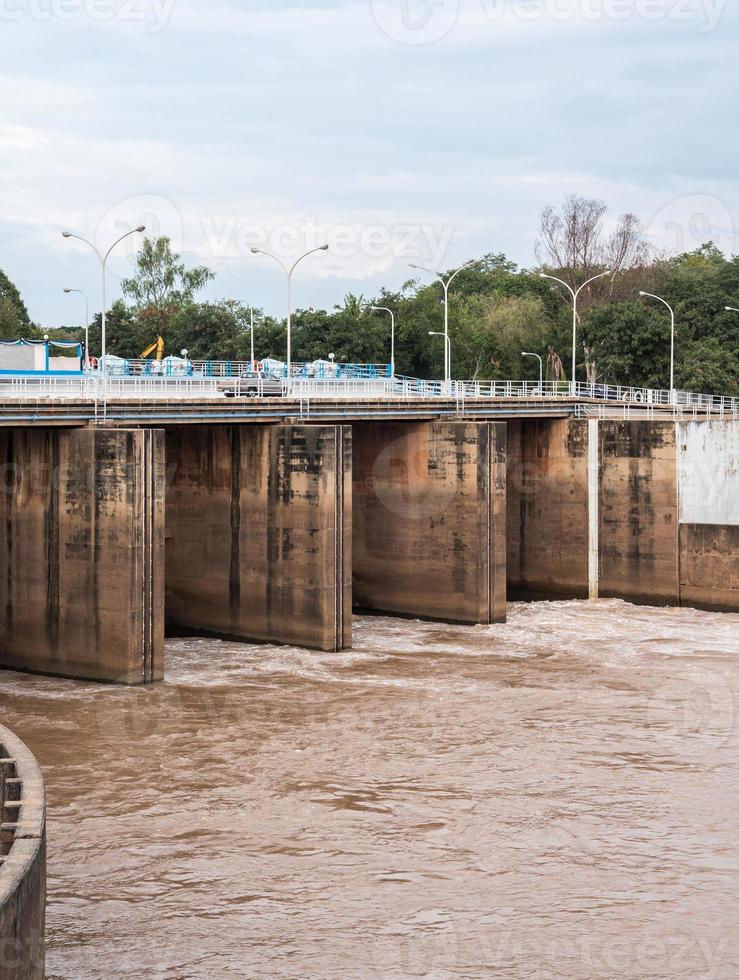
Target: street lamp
<point>103,263</point>
<point>526,353</point>
<point>289,274</point>
<point>87,324</point>
<point>732,309</point>
<point>446,283</point>
<point>575,294</point>
<point>672,338</point>
<point>447,353</point>
<point>384,309</point>
<point>251,334</point>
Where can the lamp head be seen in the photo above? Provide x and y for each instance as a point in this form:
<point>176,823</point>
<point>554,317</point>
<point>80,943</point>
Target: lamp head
<point>412,265</point>
<point>67,290</point>
<point>324,248</point>
<point>255,251</point>
<point>642,293</point>
<point>66,234</point>
<point>141,228</point>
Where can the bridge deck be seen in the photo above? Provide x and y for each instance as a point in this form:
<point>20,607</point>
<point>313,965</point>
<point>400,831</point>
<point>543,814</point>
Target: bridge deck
<point>163,411</point>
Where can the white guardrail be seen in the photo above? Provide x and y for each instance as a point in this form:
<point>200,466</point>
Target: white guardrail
<point>96,388</point>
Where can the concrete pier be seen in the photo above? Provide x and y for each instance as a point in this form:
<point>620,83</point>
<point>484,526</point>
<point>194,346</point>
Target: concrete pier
<point>259,532</point>
<point>429,520</point>
<point>273,531</point>
<point>548,502</point>
<point>646,511</point>
<point>81,560</point>
<point>638,512</point>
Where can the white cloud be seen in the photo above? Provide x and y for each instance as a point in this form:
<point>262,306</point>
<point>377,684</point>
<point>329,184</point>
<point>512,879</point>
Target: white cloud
<point>246,116</point>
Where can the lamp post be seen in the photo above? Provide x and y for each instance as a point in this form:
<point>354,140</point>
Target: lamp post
<point>575,294</point>
<point>289,275</point>
<point>384,309</point>
<point>103,264</point>
<point>446,283</point>
<point>447,354</point>
<point>251,334</point>
<point>672,339</point>
<point>526,353</point>
<point>87,324</point>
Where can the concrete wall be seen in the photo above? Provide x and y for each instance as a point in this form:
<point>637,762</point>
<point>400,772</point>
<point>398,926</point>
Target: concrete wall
<point>547,509</point>
<point>81,558</point>
<point>638,507</point>
<point>22,862</point>
<point>708,472</point>
<point>259,532</point>
<point>429,520</point>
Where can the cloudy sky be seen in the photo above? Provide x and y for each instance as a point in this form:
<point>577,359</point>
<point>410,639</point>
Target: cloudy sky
<point>399,131</point>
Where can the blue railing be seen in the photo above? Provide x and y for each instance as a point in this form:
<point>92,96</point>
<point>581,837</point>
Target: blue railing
<point>177,367</point>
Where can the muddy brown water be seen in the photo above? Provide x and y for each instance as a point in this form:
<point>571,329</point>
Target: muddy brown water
<point>556,797</point>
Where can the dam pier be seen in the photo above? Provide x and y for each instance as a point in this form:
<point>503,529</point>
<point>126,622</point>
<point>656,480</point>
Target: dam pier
<point>270,519</point>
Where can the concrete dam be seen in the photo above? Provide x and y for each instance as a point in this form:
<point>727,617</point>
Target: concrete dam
<point>273,523</point>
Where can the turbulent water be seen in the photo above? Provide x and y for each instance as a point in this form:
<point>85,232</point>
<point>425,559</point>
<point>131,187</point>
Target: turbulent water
<point>556,797</point>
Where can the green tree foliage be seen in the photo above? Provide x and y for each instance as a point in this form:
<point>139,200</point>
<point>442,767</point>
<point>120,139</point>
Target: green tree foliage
<point>496,311</point>
<point>14,320</point>
<point>162,281</point>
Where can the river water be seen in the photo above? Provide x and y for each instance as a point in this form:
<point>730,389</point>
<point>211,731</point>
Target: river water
<point>556,797</point>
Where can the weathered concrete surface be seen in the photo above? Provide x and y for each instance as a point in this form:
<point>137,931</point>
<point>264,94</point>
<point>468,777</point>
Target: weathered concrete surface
<point>639,512</point>
<point>708,468</point>
<point>259,532</point>
<point>82,557</point>
<point>22,862</point>
<point>709,566</point>
<point>547,509</point>
<point>429,520</point>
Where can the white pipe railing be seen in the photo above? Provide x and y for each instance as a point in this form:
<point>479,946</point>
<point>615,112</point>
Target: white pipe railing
<point>94,388</point>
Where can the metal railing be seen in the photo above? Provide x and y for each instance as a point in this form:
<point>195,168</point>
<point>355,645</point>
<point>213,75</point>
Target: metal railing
<point>595,399</point>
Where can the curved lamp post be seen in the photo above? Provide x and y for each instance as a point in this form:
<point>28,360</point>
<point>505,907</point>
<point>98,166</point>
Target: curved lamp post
<point>103,264</point>
<point>672,339</point>
<point>384,309</point>
<point>446,283</point>
<point>87,324</point>
<point>575,294</point>
<point>288,270</point>
<point>526,353</point>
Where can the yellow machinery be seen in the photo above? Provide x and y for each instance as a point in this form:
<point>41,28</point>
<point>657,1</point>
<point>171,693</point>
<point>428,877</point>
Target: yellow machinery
<point>157,346</point>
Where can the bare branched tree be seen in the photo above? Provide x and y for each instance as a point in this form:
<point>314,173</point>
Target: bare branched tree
<point>575,244</point>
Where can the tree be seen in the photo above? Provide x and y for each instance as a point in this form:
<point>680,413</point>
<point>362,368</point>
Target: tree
<point>576,246</point>
<point>161,281</point>
<point>14,319</point>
